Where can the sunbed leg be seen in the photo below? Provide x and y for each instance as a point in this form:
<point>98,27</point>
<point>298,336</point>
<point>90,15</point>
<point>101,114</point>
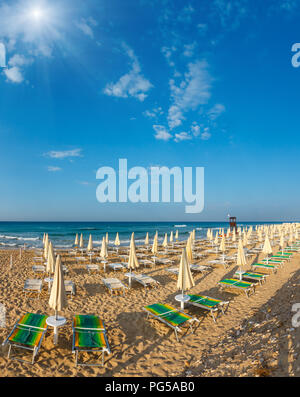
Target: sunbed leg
<point>176,335</point>
<point>9,349</point>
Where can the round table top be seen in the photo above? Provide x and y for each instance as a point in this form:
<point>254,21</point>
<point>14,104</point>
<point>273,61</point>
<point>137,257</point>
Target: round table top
<point>56,322</point>
<point>182,298</point>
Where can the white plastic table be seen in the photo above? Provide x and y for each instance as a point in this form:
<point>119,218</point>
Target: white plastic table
<point>240,273</point>
<point>182,299</point>
<point>56,322</point>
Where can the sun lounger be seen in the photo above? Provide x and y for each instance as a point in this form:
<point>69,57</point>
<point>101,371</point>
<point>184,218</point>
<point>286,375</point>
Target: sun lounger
<point>146,262</point>
<point>236,284</point>
<point>33,286</point>
<point>39,268</point>
<point>163,261</point>
<point>117,266</point>
<point>89,335</point>
<point>92,268</point>
<point>70,287</point>
<point>28,334</point>
<point>143,279</point>
<point>114,284</point>
<point>214,306</point>
<point>273,262</point>
<point>261,278</point>
<point>200,268</point>
<point>265,266</point>
<point>170,316</point>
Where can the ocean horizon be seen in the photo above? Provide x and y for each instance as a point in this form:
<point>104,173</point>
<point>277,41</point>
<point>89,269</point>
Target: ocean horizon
<point>14,234</point>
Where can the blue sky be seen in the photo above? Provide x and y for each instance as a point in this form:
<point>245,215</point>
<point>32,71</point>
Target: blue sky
<point>165,82</point>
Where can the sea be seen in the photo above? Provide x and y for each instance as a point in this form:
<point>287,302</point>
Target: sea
<point>14,235</point>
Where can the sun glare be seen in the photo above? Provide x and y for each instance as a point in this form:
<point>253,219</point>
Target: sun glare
<point>37,14</point>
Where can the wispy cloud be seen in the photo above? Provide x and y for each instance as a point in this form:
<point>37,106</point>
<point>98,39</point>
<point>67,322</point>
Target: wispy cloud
<point>216,111</point>
<point>161,133</point>
<point>190,93</point>
<point>14,72</point>
<point>86,26</point>
<point>182,136</point>
<point>54,154</point>
<point>53,168</point>
<point>132,84</point>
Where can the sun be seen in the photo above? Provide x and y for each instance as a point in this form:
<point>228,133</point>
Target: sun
<point>37,14</point>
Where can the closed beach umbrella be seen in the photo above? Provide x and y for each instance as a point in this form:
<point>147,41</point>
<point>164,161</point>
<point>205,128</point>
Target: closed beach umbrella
<point>106,239</point>
<point>222,245</point>
<point>291,239</point>
<point>185,279</point>
<point>58,297</point>
<point>241,259</point>
<point>46,247</point>
<point>165,242</point>
<point>245,240</point>
<point>216,239</point>
<point>50,266</point>
<point>103,252</point>
<point>171,237</point>
<point>155,245</point>
<point>133,262</point>
<point>267,249</point>
<point>90,244</point>
<point>81,241</point>
<point>208,234</point>
<point>176,235</point>
<point>189,251</point>
<point>44,236</point>
<point>233,236</point>
<point>117,240</point>
<point>76,242</point>
<point>147,239</point>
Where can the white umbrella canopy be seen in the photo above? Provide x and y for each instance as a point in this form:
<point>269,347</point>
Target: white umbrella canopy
<point>50,259</point>
<point>267,249</point>
<point>185,279</point>
<point>171,237</point>
<point>46,248</point>
<point>165,242</point>
<point>133,262</point>
<point>58,297</point>
<point>216,239</point>
<point>147,239</point>
<point>117,240</point>
<point>241,259</point>
<point>81,241</point>
<point>233,236</point>
<point>44,236</point>
<point>103,252</point>
<point>176,235</point>
<point>245,240</point>
<point>208,234</point>
<point>90,244</point>
<point>189,251</point>
<point>76,242</point>
<point>155,244</point>
<point>106,239</point>
<point>282,242</point>
<point>222,245</point>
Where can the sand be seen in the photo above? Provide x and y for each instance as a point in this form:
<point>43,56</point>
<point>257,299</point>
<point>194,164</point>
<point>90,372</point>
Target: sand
<point>255,337</point>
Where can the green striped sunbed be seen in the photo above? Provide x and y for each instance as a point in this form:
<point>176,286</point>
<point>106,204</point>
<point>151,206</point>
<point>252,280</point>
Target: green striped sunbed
<point>28,334</point>
<point>170,316</point>
<point>284,253</point>
<point>240,285</point>
<point>252,276</point>
<point>273,261</point>
<point>208,303</point>
<point>281,257</point>
<point>89,335</point>
<point>265,266</point>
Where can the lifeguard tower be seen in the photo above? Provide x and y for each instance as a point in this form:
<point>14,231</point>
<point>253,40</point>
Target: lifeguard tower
<point>232,223</point>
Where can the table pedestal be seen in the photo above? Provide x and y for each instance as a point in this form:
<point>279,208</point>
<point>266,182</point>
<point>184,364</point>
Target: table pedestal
<point>56,322</point>
<point>182,299</point>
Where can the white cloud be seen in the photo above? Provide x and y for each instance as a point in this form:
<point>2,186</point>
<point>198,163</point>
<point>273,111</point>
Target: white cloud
<point>153,113</point>
<point>190,93</point>
<point>206,134</point>
<point>53,169</point>
<point>64,154</point>
<point>189,49</point>
<point>168,52</point>
<point>216,111</point>
<point>161,133</point>
<point>132,84</point>
<point>14,74</point>
<point>86,26</point>
<point>182,136</point>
